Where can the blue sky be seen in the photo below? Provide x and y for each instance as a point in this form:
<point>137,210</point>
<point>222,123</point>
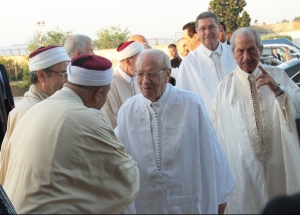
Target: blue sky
<point>153,19</point>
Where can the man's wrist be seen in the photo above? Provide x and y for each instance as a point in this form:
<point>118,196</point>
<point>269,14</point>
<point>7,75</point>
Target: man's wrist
<point>279,91</point>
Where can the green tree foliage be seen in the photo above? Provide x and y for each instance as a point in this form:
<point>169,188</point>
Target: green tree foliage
<point>229,12</point>
<point>284,21</point>
<point>277,37</point>
<point>13,68</point>
<point>55,37</point>
<point>111,37</point>
<point>297,18</point>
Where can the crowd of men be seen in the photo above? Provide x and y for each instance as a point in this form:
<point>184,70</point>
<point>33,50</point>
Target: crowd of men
<point>208,130</point>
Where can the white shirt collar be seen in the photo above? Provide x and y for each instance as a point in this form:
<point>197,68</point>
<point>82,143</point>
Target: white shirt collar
<point>246,74</point>
<point>209,52</point>
<point>124,75</point>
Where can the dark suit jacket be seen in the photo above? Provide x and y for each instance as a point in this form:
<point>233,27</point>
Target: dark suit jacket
<point>278,56</point>
<point>175,63</point>
<point>10,99</point>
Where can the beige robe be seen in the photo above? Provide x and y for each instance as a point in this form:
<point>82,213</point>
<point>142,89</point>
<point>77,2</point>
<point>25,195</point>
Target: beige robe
<point>31,97</point>
<point>67,160</point>
<point>120,90</point>
<point>263,168</point>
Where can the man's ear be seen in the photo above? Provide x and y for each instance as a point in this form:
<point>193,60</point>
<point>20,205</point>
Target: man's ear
<point>41,75</point>
<point>98,95</point>
<point>168,73</point>
<point>128,62</point>
<point>261,50</point>
<point>77,53</point>
<point>195,37</point>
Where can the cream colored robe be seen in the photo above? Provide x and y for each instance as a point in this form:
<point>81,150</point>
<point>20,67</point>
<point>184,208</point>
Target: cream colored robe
<point>67,160</point>
<point>31,97</point>
<point>120,90</point>
<point>263,170</point>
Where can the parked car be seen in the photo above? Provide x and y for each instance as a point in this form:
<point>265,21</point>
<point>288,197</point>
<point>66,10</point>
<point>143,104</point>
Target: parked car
<point>280,41</point>
<point>292,69</point>
<point>267,51</point>
<point>270,61</point>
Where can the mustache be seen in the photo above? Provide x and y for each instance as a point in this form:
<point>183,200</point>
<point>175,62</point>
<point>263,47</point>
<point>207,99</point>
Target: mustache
<point>247,61</point>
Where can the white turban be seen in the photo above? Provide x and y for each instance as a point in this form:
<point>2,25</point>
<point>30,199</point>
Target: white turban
<point>47,56</point>
<point>94,70</point>
<point>128,49</point>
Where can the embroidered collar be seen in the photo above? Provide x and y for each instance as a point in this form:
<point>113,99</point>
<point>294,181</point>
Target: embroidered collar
<point>209,52</point>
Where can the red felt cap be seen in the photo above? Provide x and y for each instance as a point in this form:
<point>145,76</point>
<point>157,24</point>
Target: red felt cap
<point>123,45</point>
<point>91,62</point>
<point>41,49</point>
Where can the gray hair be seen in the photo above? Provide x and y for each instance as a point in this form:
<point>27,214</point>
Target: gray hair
<point>34,77</point>
<point>162,59</point>
<point>76,42</point>
<point>246,31</point>
<point>205,15</point>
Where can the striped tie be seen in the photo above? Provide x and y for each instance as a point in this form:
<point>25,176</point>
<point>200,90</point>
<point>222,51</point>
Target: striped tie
<point>256,105</point>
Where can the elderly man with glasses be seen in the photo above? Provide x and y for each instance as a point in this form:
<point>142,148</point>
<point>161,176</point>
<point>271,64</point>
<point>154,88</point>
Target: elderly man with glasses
<point>48,66</point>
<point>203,69</point>
<point>167,131</point>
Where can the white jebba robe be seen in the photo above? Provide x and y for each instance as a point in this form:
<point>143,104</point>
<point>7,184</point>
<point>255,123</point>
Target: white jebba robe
<point>263,170</point>
<point>65,158</point>
<point>120,90</point>
<point>195,176</point>
<point>197,73</point>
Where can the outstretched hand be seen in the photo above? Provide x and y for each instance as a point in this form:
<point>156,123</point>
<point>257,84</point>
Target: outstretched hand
<point>265,79</point>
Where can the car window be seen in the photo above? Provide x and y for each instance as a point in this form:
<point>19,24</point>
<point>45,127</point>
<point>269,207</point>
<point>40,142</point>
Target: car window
<point>296,78</point>
<point>267,51</point>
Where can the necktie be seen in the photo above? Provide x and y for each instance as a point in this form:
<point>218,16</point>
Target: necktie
<point>216,58</point>
<point>132,85</point>
<point>256,105</point>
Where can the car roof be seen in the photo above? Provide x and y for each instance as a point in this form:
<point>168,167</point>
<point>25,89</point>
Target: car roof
<point>281,45</point>
<point>291,67</point>
<point>280,41</point>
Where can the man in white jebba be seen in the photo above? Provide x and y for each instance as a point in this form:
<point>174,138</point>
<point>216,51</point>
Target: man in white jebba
<point>124,84</point>
<point>203,69</point>
<point>253,114</point>
<point>183,168</point>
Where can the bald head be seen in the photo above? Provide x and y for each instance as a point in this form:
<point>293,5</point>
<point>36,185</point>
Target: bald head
<point>182,47</point>
<point>78,44</point>
<point>139,38</point>
<point>153,69</point>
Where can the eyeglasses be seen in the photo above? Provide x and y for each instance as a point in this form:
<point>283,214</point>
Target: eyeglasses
<point>63,74</point>
<point>210,28</point>
<point>151,74</point>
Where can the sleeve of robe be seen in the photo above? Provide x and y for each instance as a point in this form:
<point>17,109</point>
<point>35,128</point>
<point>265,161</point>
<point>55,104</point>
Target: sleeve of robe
<point>289,101</point>
<point>225,179</point>
<point>84,161</point>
